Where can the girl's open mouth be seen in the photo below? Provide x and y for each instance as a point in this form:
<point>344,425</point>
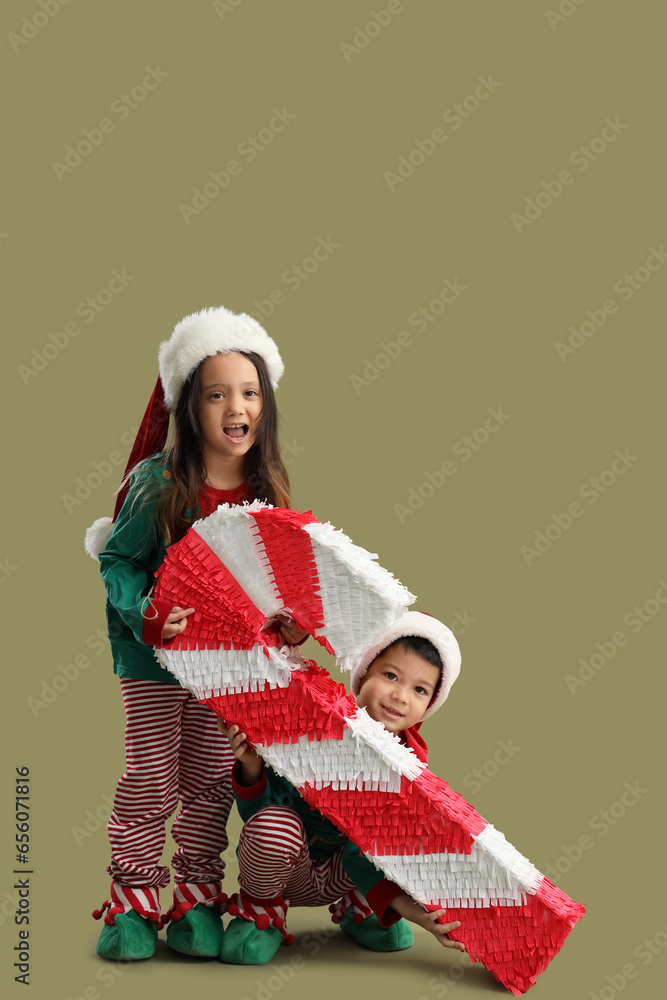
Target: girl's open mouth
<point>236,432</point>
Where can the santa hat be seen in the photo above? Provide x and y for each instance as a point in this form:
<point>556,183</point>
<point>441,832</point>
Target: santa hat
<point>197,337</point>
<point>424,627</point>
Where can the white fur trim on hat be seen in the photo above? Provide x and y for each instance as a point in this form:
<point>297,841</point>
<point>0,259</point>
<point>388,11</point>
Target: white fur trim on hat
<point>425,627</point>
<point>209,332</point>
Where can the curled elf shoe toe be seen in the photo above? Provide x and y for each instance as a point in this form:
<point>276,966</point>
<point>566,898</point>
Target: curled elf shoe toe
<point>199,932</point>
<point>130,938</point>
<point>245,944</point>
<point>372,935</point>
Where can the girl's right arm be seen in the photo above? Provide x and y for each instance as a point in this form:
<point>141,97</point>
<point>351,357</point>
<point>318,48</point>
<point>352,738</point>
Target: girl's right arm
<point>129,561</point>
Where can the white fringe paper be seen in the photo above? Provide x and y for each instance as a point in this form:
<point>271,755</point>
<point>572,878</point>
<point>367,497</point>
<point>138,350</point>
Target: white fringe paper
<point>359,597</point>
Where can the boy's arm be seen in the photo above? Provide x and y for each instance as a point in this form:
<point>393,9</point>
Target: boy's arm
<point>251,789</point>
<point>406,907</point>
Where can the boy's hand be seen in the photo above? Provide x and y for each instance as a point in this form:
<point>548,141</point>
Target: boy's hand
<point>251,762</point>
<point>427,919</point>
<point>176,622</point>
<point>290,633</point>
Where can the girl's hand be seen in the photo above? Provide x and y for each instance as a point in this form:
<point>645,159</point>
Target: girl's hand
<point>427,919</point>
<point>176,622</point>
<point>251,762</point>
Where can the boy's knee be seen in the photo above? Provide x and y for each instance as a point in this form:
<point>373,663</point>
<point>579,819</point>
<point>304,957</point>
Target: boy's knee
<point>273,821</point>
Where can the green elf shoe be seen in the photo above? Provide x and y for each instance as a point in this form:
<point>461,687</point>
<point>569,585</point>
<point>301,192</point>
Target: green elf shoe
<point>199,932</point>
<point>372,935</point>
<point>130,938</point>
<point>244,943</point>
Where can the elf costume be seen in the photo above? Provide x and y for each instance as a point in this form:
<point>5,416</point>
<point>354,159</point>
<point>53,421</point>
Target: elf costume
<point>290,853</point>
<point>173,747</point>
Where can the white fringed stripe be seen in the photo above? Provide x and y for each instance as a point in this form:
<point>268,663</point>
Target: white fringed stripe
<point>359,597</point>
<point>232,533</point>
<point>211,673</point>
<point>493,874</point>
<point>367,757</point>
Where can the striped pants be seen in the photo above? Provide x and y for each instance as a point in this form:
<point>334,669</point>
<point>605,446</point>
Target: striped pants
<point>174,751</point>
<point>275,863</point>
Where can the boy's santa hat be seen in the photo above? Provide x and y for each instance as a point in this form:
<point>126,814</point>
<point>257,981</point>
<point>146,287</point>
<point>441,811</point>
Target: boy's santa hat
<point>197,337</point>
<point>424,627</point>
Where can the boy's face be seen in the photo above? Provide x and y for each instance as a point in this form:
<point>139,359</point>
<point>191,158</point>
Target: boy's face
<point>398,688</point>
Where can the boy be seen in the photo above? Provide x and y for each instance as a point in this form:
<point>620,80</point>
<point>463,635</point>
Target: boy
<point>289,853</point>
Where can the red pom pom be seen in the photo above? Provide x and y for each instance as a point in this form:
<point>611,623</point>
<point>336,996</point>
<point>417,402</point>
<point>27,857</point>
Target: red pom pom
<point>289,939</point>
<point>234,910</point>
<point>176,915</point>
<point>278,922</point>
<point>153,918</point>
<point>97,914</point>
<point>358,918</point>
<point>108,920</point>
<point>262,921</point>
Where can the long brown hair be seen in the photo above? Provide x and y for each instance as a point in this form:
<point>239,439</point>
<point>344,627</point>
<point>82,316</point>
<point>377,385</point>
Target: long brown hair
<point>265,470</point>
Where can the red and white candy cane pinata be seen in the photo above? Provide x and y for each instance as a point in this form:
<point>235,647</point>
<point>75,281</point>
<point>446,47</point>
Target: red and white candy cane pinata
<point>239,568</point>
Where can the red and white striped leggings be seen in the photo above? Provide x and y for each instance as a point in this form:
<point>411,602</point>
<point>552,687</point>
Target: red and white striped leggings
<point>174,751</point>
<point>274,861</point>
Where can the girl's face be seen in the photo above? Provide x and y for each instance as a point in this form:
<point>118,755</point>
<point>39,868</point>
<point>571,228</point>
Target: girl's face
<point>230,405</point>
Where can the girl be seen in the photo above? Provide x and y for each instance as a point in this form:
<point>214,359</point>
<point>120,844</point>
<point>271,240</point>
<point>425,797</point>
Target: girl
<point>218,372</point>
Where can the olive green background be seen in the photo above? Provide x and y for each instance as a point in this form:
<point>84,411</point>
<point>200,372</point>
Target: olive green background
<point>355,450</point>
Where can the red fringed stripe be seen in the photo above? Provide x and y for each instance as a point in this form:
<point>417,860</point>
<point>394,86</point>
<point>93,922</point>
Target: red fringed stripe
<point>414,821</point>
<point>313,705</point>
<point>293,565</point>
<point>516,943</point>
<point>192,576</point>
